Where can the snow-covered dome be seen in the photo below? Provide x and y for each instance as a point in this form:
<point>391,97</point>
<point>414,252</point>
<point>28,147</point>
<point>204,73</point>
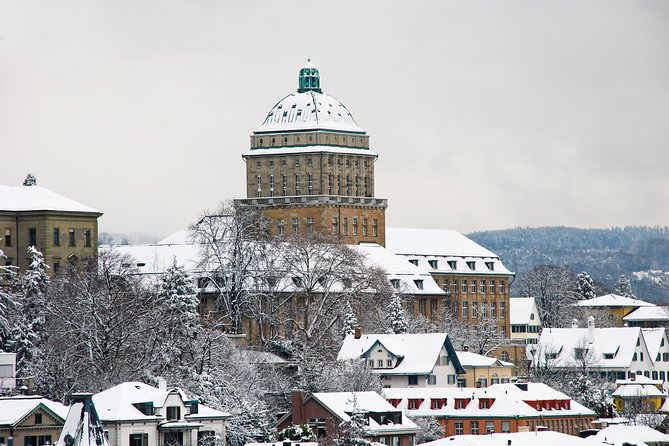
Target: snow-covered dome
<point>309,109</point>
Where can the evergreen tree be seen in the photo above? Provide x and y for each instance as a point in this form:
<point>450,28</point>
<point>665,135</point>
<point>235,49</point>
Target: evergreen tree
<point>350,321</point>
<point>624,287</point>
<point>7,303</point>
<point>30,180</point>
<point>397,316</point>
<point>29,331</point>
<point>585,286</point>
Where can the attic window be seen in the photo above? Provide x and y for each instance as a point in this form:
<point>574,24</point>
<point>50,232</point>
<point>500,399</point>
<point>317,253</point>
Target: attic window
<point>395,283</point>
<point>437,403</point>
<point>452,264</point>
<point>294,105</point>
<point>490,265</point>
<point>471,265</point>
<point>433,263</point>
<point>299,113</point>
<point>413,261</point>
<point>145,408</point>
<point>419,283</point>
<point>297,282</point>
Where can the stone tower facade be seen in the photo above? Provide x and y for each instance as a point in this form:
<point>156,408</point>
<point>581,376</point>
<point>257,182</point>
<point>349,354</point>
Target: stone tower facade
<point>310,168</point>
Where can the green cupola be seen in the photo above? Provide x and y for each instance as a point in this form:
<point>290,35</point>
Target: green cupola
<point>309,80</point>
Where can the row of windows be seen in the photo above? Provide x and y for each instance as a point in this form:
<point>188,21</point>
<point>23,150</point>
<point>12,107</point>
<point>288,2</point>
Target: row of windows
<point>486,309</point>
<point>472,286</point>
<point>453,264</point>
<point>525,328</point>
<point>56,237</point>
<point>474,427</point>
<point>285,141</point>
<point>343,186</point>
<point>340,161</point>
<point>359,226</point>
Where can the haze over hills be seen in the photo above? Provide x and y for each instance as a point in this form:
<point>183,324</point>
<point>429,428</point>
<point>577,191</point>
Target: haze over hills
<point>639,252</point>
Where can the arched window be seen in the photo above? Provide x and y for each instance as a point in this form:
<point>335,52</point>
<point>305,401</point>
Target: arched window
<point>260,142</point>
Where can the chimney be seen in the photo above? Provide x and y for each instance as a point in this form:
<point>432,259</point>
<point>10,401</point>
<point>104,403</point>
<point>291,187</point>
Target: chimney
<point>591,329</point>
<point>296,399</point>
<point>162,384</point>
<point>574,323</point>
<point>358,333</point>
<point>465,347</point>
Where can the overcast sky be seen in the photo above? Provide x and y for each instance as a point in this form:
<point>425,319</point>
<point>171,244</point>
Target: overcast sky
<point>485,115</point>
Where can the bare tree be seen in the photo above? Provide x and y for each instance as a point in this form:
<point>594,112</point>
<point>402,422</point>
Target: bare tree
<point>552,289</point>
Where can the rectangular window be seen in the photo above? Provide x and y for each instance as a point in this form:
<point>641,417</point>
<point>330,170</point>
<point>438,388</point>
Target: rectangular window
<point>413,380</point>
<point>463,286</point>
<point>375,228</point>
<point>8,237</point>
<point>502,309</point>
<point>71,238</point>
<point>500,287</point>
<point>465,309</point>
<point>329,184</point>
<point>454,286</point>
<point>56,236</point>
<point>284,185</point>
<point>389,362</point>
<point>348,184</point>
<point>310,183</point>
<point>366,186</point>
<point>38,418</point>
<point>491,288</point>
<point>450,379</point>
<point>379,362</point>
<point>139,440</point>
<point>483,286</point>
<point>364,227</point>
<point>344,226</point>
<point>296,225</point>
<point>297,184</point>
<point>339,184</point>
<point>280,229</point>
<point>484,309</point>
<point>87,238</point>
<point>472,287</point>
<point>259,186</point>
<point>357,186</point>
<point>310,224</point>
<point>489,427</point>
<point>459,428</point>
<point>173,412</point>
<point>335,225</point>
<point>432,380</point>
<point>433,307</point>
<point>462,382</point>
<point>474,427</point>
<point>475,309</point>
<point>32,237</point>
<point>271,185</point>
<point>493,309</point>
<point>355,225</point>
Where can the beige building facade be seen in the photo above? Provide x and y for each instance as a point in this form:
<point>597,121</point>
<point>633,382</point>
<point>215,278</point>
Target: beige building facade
<point>61,229</point>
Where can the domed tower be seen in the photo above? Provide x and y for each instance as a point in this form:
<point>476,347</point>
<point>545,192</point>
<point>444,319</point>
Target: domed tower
<point>310,167</point>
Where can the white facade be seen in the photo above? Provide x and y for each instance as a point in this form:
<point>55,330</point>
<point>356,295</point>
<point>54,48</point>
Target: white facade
<point>525,320</point>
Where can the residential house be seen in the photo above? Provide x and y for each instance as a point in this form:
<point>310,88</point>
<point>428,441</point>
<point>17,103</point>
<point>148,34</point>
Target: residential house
<point>525,320</point>
<point>325,413</point>
<point>499,408</point>
<point>613,352</point>
<point>407,359</point>
<point>482,371</point>
<point>60,228</point>
<point>648,317</point>
<point>137,414</point>
<point>628,435</point>
<point>613,307</point>
<point>474,279</point>
<point>640,393</point>
<point>30,420</point>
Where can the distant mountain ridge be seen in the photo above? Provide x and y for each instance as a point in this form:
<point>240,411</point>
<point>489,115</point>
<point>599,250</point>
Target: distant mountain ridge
<point>639,252</point>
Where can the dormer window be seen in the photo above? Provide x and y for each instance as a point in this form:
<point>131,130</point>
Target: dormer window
<point>452,264</point>
<point>145,408</point>
<point>437,403</point>
<point>461,403</point>
<point>414,403</point>
<point>490,266</point>
<point>433,263</point>
<point>413,261</point>
<point>395,283</point>
<point>173,413</point>
<point>419,283</point>
<point>471,265</point>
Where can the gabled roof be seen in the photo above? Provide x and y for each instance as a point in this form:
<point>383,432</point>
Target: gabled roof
<point>471,359</point>
<point>618,434</point>
<point>639,390</point>
<point>563,341</point>
<point>441,242</point>
<point>543,438</point>
<point>510,400</point>
<point>654,313</point>
<point>37,198</point>
<point>613,300</point>
<point>116,403</point>
<point>653,338</point>
<point>344,403</point>
<point>16,408</point>
<point>520,309</point>
<point>419,350</point>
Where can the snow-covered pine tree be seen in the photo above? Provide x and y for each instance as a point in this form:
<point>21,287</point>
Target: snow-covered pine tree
<point>7,303</point>
<point>624,287</point>
<point>585,286</point>
<point>29,331</point>
<point>397,316</point>
<point>30,180</point>
<point>350,321</point>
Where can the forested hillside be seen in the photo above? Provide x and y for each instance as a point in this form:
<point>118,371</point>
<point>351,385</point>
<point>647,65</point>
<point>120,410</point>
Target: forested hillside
<point>641,253</point>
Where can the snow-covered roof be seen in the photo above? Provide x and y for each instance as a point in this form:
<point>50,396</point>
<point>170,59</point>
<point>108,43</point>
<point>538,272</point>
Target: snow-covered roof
<point>419,351</point>
<point>37,198</point>
<point>654,313</point>
<point>613,300</point>
<point>116,403</point>
<point>309,110</point>
<point>443,251</point>
<point>563,341</point>
<point>619,434</point>
<point>653,338</point>
<point>293,150</point>
<point>543,438</point>
<point>471,359</point>
<point>344,403</point>
<point>82,426</point>
<point>639,390</point>
<point>14,409</point>
<point>520,309</point>
<point>509,400</point>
